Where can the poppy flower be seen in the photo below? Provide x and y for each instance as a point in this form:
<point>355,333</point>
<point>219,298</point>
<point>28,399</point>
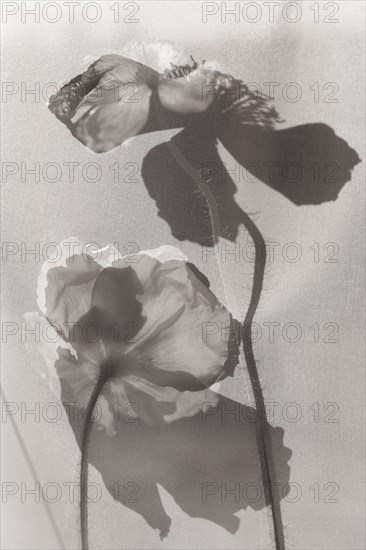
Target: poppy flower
<point>119,97</point>
<point>142,326</point>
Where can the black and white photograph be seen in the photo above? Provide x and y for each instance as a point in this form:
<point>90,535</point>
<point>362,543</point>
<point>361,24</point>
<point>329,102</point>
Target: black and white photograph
<point>183,275</point>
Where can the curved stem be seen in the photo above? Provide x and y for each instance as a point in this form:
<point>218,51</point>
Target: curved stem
<point>85,462</point>
<point>263,432</point>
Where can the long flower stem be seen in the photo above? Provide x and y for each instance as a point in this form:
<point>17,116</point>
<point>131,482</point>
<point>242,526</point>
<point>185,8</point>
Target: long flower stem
<point>85,462</point>
<point>263,432</point>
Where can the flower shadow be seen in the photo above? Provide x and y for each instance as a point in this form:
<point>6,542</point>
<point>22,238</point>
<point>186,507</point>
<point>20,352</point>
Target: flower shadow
<point>307,164</point>
<point>208,463</point>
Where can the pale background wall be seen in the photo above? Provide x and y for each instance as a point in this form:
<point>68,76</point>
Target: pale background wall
<point>304,292</point>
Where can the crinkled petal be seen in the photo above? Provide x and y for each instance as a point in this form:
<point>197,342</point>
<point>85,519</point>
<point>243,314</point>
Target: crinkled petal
<point>164,253</point>
<point>107,104</point>
<point>65,285</point>
<point>183,337</point>
<point>47,344</point>
<point>111,117</point>
<point>66,301</point>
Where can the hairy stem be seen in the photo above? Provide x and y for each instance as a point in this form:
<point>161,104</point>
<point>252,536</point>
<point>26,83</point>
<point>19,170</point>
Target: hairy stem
<point>84,459</point>
<point>263,433</point>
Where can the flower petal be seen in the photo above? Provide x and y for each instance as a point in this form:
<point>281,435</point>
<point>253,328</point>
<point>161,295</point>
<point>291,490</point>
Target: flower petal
<point>46,343</point>
<point>164,253</point>
<point>107,104</point>
<point>185,328</point>
<point>194,93</point>
<point>185,337</point>
<point>64,286</point>
<point>111,119</point>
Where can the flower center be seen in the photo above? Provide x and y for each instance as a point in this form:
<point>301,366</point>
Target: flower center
<point>108,370</point>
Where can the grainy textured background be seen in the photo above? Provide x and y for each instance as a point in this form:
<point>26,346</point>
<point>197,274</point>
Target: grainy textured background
<point>305,292</point>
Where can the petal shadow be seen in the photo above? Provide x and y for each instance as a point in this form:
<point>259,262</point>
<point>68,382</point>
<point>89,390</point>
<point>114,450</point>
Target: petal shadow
<point>208,463</point>
<point>308,164</point>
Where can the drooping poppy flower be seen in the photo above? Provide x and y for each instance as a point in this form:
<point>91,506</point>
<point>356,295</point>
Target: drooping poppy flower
<point>152,328</point>
<point>119,97</point>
